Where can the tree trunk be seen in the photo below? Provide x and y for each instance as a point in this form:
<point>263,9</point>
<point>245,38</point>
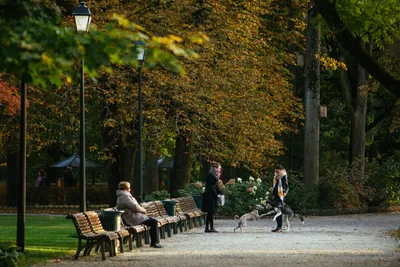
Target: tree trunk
<point>12,179</point>
<point>151,182</point>
<point>127,155</point>
<point>113,165</point>
<point>359,121</point>
<point>182,165</point>
<point>312,96</point>
<point>355,96</point>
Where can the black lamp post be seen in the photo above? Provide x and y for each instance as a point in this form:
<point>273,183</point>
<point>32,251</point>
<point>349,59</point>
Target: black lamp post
<point>139,169</point>
<point>82,21</point>
<point>21,199</point>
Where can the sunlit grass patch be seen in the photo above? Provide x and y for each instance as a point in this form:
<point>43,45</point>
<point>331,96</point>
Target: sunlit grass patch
<point>46,237</point>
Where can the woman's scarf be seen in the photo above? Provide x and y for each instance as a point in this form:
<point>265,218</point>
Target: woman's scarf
<point>278,179</point>
<point>216,172</point>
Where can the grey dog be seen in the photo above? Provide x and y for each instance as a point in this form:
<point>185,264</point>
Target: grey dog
<point>286,212</point>
<point>251,216</point>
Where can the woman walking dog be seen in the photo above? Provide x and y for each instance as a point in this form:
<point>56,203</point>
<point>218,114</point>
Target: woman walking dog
<point>280,190</point>
<point>211,195</point>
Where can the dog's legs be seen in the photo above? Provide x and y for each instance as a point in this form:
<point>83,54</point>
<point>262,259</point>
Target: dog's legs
<point>287,222</point>
<point>278,213</point>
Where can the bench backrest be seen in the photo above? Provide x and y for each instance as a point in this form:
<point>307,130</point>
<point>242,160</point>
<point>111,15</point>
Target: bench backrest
<point>94,221</point>
<point>151,209</point>
<point>81,224</point>
<point>178,206</point>
<point>161,208</point>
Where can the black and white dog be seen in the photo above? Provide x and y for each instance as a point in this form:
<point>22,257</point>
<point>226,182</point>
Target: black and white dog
<point>286,212</point>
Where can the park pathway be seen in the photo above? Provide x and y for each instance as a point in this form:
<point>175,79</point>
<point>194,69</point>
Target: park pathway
<point>349,240</point>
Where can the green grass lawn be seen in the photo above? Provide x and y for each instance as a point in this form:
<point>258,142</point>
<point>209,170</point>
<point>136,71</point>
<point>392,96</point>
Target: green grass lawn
<point>46,237</point>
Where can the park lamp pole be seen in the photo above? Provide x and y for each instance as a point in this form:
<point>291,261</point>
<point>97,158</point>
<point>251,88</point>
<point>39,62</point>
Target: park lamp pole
<point>139,168</point>
<point>82,21</point>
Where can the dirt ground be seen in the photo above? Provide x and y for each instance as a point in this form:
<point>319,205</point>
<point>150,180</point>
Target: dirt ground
<point>350,240</point>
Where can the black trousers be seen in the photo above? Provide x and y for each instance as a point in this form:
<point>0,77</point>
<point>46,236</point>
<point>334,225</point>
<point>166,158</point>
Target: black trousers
<point>279,222</point>
<point>279,218</point>
<point>210,220</point>
<point>154,237</point>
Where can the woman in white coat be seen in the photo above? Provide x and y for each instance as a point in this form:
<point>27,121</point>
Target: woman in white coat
<point>134,214</point>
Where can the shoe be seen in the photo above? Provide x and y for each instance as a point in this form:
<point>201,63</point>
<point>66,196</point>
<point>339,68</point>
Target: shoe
<point>156,246</point>
<point>214,231</point>
<point>207,231</point>
<point>277,230</point>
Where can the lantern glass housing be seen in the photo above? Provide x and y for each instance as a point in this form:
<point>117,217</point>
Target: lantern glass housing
<point>82,17</point>
<point>141,48</point>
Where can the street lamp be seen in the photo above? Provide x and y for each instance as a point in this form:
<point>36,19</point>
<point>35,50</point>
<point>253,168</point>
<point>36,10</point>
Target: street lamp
<point>138,169</point>
<point>82,21</point>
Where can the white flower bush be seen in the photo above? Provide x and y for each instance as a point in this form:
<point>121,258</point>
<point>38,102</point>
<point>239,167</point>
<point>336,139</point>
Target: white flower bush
<point>239,180</point>
<point>255,188</point>
<point>251,179</point>
<point>258,181</point>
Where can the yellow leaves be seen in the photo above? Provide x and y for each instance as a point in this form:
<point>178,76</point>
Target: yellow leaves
<point>68,79</point>
<point>93,148</point>
<point>176,38</point>
<point>46,59</point>
<point>199,39</point>
<point>329,63</point>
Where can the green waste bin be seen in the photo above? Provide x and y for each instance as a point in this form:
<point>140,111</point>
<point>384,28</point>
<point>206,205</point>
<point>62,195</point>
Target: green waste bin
<point>110,219</point>
<point>170,207</point>
<point>198,200</point>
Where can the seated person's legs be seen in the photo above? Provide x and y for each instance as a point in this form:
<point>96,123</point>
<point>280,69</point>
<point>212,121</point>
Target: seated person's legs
<point>153,232</point>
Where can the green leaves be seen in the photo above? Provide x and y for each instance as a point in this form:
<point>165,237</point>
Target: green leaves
<point>37,46</point>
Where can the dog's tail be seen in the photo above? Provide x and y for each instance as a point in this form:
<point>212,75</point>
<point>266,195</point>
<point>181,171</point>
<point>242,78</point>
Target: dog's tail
<point>300,217</point>
<point>236,217</point>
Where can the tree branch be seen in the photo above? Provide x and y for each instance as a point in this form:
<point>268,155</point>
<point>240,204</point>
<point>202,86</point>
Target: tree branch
<point>352,45</point>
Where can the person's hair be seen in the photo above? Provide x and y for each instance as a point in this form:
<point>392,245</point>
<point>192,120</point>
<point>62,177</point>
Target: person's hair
<point>279,167</point>
<point>42,172</point>
<point>214,164</point>
<point>124,185</point>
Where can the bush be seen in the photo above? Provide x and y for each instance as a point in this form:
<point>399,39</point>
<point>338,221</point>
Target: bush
<point>242,196</point>
<point>9,257</point>
<point>157,195</point>
<point>344,187</point>
<point>301,197</point>
<point>385,179</point>
<point>191,189</point>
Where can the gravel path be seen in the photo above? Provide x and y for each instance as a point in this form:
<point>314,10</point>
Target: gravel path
<point>351,240</point>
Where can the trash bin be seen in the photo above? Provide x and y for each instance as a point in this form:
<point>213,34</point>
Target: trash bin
<point>198,200</point>
<point>110,219</point>
<point>170,207</point>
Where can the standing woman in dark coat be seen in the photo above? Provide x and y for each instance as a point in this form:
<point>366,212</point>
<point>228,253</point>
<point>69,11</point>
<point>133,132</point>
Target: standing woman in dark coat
<point>211,195</point>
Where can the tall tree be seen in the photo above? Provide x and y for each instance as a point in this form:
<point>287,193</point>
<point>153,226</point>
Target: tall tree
<point>312,99</point>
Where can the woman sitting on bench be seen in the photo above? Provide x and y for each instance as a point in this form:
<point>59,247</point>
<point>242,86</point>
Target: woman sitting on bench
<point>134,214</point>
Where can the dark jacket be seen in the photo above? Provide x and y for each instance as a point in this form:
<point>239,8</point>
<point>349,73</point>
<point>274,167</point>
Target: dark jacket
<point>68,178</point>
<point>210,196</point>
<point>285,187</point>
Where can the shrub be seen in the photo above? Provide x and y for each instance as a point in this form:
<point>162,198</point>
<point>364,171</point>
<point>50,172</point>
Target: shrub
<point>242,196</point>
<point>157,195</point>
<point>344,187</point>
<point>301,197</point>
<point>191,189</point>
<point>10,257</point>
<point>385,179</point>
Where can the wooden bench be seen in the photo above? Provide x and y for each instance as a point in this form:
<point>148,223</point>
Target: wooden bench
<point>180,211</point>
<point>138,233</point>
<point>92,239</point>
<point>189,208</point>
<point>174,221</point>
<point>97,227</point>
<point>163,224</point>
